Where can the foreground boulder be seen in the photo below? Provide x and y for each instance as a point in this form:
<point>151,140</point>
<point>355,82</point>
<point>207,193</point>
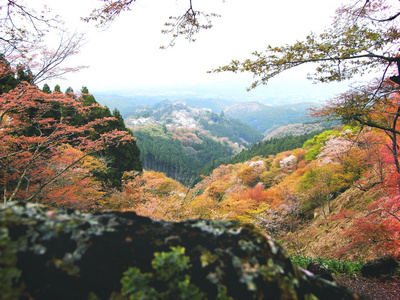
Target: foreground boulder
<point>384,265</point>
<point>318,270</point>
<point>112,255</point>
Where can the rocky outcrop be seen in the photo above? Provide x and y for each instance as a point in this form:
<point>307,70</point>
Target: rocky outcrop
<point>384,265</point>
<point>71,255</point>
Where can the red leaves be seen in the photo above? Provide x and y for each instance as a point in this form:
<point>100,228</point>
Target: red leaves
<point>34,126</point>
<point>256,194</point>
<point>379,230</point>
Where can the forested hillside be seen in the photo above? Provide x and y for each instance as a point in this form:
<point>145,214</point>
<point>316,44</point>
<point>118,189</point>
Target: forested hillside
<point>62,149</point>
<point>180,140</point>
<point>261,149</point>
<point>181,153</point>
<point>273,146</point>
<point>317,198</point>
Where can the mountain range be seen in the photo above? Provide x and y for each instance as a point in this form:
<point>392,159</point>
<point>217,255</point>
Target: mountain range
<point>267,118</point>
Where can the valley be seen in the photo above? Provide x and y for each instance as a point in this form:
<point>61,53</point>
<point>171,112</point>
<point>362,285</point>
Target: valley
<point>186,141</point>
<point>314,199</point>
<point>168,181</point>
<point>306,184</point>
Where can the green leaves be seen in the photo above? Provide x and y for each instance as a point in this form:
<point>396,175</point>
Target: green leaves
<point>350,268</point>
<point>136,285</point>
<point>351,46</point>
<point>169,279</point>
<point>169,264</point>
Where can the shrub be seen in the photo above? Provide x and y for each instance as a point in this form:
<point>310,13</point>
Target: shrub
<point>350,268</point>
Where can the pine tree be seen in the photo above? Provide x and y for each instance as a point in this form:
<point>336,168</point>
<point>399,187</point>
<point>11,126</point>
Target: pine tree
<point>46,89</point>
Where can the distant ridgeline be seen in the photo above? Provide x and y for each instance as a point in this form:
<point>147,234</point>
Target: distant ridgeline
<point>129,104</point>
<point>268,118</point>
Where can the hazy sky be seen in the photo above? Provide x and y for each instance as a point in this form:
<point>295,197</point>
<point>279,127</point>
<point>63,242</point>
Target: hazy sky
<point>126,58</point>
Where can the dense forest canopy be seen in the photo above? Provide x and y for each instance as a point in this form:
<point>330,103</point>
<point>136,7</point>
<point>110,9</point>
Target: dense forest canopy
<point>273,146</point>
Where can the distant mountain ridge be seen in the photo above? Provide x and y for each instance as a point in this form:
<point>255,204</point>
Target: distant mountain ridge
<point>128,104</point>
<point>264,118</point>
<point>244,108</point>
<point>179,114</point>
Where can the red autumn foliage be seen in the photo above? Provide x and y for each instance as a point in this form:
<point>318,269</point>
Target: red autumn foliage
<point>379,230</point>
<point>34,126</point>
<point>256,193</point>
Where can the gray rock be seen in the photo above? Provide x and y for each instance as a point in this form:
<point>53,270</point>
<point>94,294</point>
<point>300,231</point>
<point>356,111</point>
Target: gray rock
<point>384,265</point>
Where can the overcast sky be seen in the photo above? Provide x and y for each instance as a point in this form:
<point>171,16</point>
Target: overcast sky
<point>126,57</point>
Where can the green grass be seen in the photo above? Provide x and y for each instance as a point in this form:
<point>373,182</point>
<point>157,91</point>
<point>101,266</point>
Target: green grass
<point>335,265</point>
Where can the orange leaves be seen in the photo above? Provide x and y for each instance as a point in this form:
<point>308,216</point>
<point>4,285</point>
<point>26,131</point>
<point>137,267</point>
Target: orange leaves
<point>154,195</point>
<point>216,191</point>
<point>248,176</point>
<point>109,11</point>
<point>35,130</point>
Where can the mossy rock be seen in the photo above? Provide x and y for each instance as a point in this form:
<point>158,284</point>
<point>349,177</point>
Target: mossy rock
<point>71,255</point>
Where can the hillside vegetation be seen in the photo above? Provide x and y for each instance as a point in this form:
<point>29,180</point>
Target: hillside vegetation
<point>181,153</point>
<point>327,198</point>
<point>273,146</point>
<point>180,140</point>
<point>185,142</point>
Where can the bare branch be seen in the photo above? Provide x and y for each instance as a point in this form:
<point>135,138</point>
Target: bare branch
<point>22,33</point>
<point>188,24</point>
